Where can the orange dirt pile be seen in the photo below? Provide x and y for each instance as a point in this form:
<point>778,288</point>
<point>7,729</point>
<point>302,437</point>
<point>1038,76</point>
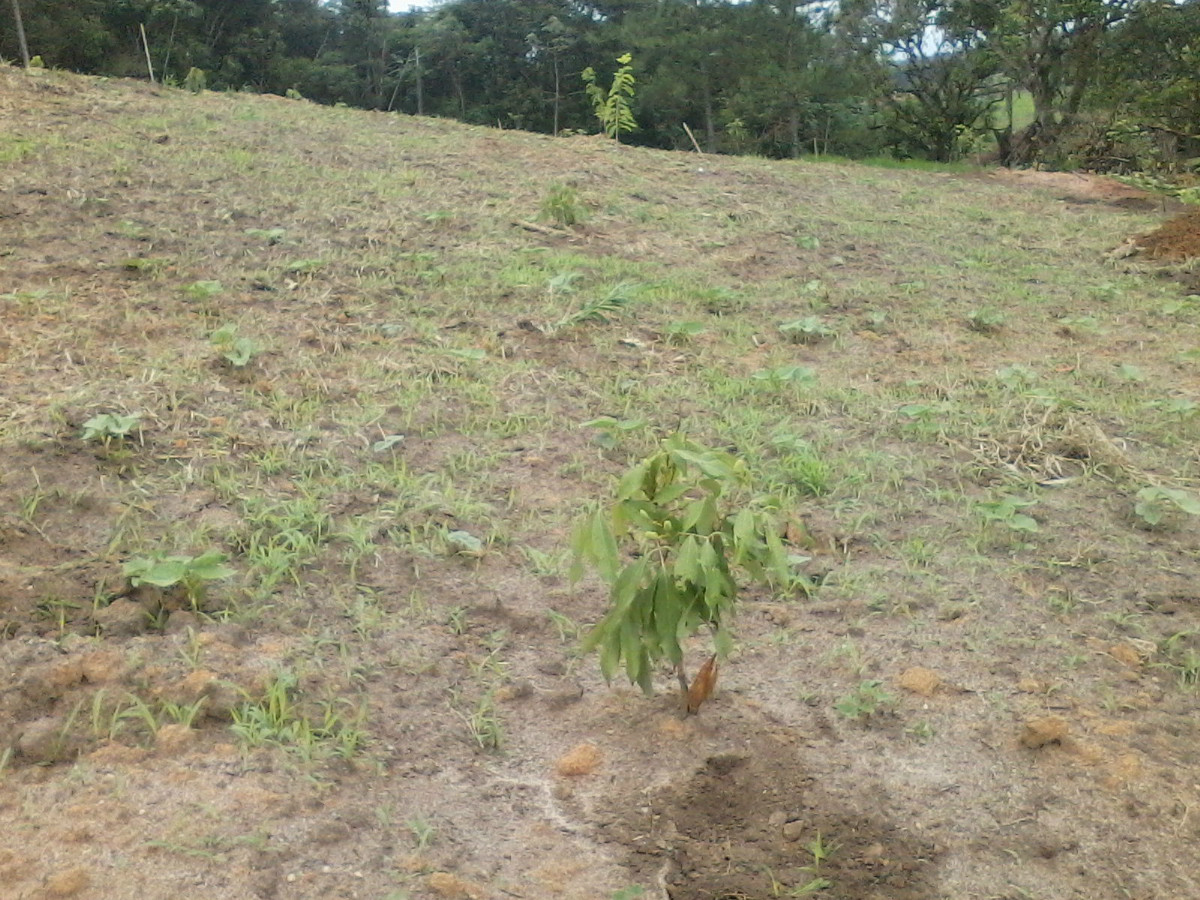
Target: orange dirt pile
<point>1178,238</point>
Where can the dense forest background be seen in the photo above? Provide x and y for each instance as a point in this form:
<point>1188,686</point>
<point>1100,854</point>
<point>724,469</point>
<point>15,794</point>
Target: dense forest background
<point>1110,85</point>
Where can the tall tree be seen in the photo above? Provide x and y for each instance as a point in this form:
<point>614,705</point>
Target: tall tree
<point>1046,47</point>
<point>940,85</point>
<point>1150,74</point>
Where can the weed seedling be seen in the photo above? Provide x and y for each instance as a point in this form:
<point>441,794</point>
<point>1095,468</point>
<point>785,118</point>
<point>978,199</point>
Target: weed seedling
<point>109,427</point>
<point>562,207</point>
<point>986,321</point>
<point>204,290</point>
<point>680,333</point>
<point>1006,512</point>
<point>610,431</point>
<point>237,351</point>
<point>483,722</point>
<point>600,309</point>
<point>865,701</point>
<point>190,573</point>
<point>422,831</point>
<point>776,379</point>
<point>820,852</point>
<point>809,330</point>
<point>1154,504</point>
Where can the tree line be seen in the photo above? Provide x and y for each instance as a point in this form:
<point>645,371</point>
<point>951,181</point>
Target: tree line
<point>1107,84</point>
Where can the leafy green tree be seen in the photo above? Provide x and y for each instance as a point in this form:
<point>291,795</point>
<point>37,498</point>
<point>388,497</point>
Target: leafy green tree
<point>1149,78</point>
<point>1048,48</point>
<point>943,76</point>
<point>613,105</point>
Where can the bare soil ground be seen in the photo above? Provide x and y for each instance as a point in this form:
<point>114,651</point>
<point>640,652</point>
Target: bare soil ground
<point>984,434</point>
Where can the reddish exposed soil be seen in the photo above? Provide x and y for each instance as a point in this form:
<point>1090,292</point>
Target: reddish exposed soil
<point>1176,239</point>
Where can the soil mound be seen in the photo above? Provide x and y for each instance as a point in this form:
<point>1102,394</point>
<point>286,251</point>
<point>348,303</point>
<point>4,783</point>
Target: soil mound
<point>1176,239</point>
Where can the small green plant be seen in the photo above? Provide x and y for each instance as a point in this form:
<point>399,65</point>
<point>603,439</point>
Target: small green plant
<point>195,81</point>
<point>422,829</point>
<point>190,573</point>
<point>1180,655</point>
<point>610,432</point>
<point>986,321</point>
<point>204,290</point>
<point>1153,504</point>
<point>683,546</point>
<point>780,376</point>
<point>921,419</point>
<point>613,105</point>
<point>801,465</point>
<point>865,701</point>
<point>1131,373</point>
<point>600,309</point>
<point>1007,512</point>
<point>563,283</point>
<point>483,723</point>
<point>809,330</point>
<point>562,207</point>
<point>1016,377</point>
<point>568,629</point>
<point>304,266</point>
<point>148,265</point>
<point>278,719</point>
<point>683,332</point>
<point>921,732</point>
<point>820,851</point>
<point>272,236</point>
<point>237,351</point>
<point>109,427</point>
<point>57,610</point>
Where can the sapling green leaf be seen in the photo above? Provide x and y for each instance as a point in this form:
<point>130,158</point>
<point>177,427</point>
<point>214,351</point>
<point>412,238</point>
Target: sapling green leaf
<point>190,573</point>
<point>1154,503</point>
<point>107,426</point>
<point>671,520</point>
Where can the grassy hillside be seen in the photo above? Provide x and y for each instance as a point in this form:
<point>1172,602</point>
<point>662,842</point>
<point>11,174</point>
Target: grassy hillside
<point>332,388</point>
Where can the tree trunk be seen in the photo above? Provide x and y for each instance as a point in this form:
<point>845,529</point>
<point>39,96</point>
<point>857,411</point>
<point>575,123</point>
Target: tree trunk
<point>710,123</point>
<point>557,95</point>
<point>420,85</point>
<point>21,32</point>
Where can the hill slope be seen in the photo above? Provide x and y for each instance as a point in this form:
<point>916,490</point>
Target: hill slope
<point>348,352</point>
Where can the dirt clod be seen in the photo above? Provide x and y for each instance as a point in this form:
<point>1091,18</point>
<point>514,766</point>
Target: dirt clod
<point>67,883</point>
<point>1126,654</point>
<point>452,887</point>
<point>174,739</point>
<point>1176,239</point>
<point>583,759</point>
<point>1039,732</point>
<point>44,740</point>
<point>920,680</point>
<point>122,618</point>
